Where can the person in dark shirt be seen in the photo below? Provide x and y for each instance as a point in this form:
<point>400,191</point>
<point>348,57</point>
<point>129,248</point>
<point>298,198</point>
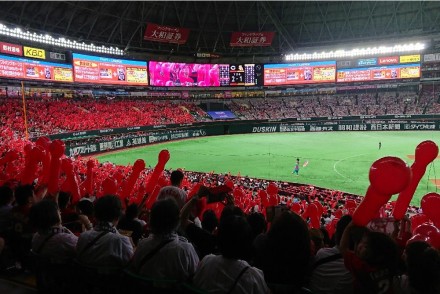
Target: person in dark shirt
<point>129,222</point>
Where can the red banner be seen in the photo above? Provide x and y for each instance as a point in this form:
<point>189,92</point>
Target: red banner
<point>11,49</point>
<point>158,33</point>
<point>389,60</point>
<point>250,39</point>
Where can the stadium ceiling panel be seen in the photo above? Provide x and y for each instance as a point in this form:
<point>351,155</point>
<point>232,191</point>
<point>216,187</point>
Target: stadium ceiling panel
<point>298,24</point>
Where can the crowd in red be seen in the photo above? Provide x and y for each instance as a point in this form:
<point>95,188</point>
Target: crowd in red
<point>43,165</point>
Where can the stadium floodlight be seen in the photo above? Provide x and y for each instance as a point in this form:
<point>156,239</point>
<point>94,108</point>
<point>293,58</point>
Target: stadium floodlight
<point>58,42</point>
<point>355,52</point>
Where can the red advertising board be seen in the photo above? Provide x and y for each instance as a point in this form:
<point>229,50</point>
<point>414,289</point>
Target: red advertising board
<point>388,60</point>
<point>250,39</point>
<point>391,72</point>
<point>11,49</point>
<point>95,69</point>
<point>299,73</point>
<point>21,68</point>
<point>165,34</point>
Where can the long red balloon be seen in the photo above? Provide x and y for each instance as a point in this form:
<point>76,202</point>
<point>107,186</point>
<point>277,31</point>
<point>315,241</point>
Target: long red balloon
<point>57,149</point>
<point>388,176</point>
<point>425,153</point>
<point>164,156</point>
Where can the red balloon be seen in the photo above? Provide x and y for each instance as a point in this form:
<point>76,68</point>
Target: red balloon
<point>127,188</point>
<point>426,229</point>
<point>425,153</point>
<point>57,148</point>
<point>229,184</point>
<point>272,189</point>
<point>263,197</point>
<point>164,156</point>
<point>109,186</point>
<point>338,213</point>
<point>71,180</point>
<point>417,220</point>
<point>418,237</point>
<point>431,207</point>
<point>388,176</point>
<point>296,207</point>
<point>350,203</point>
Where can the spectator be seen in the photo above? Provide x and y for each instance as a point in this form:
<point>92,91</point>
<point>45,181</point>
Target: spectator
<point>373,263</point>
<point>52,241</point>
<point>174,191</point>
<point>164,254</point>
<point>104,246</point>
<point>228,272</point>
<point>423,269</point>
<point>329,274</point>
<point>284,253</point>
<point>130,223</point>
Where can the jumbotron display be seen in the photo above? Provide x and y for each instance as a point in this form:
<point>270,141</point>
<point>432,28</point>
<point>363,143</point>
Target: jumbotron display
<point>299,73</point>
<point>23,68</point>
<point>241,74</point>
<point>389,72</point>
<point>170,74</point>
<point>104,70</point>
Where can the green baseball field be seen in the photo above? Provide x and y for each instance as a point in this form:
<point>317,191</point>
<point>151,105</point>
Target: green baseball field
<point>339,160</point>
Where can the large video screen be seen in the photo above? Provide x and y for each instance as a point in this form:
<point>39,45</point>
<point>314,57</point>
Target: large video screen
<point>299,73</point>
<point>389,72</point>
<point>23,68</point>
<point>104,70</point>
<point>241,74</point>
<point>171,74</point>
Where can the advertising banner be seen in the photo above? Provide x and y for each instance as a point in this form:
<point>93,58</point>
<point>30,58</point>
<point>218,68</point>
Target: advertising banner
<point>410,58</point>
<point>22,68</point>
<point>251,39</point>
<point>34,52</point>
<point>11,49</point>
<point>165,34</point>
<point>112,71</point>
<point>170,74</point>
<point>391,72</point>
<point>299,73</point>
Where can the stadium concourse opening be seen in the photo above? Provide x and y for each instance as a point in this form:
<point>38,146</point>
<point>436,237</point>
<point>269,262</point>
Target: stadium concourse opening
<point>219,146</point>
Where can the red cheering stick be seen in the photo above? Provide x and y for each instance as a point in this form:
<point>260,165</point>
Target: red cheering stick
<point>430,205</point>
<point>71,180</point>
<point>388,176</point>
<point>109,186</point>
<point>33,156</point>
<point>138,167</point>
<point>57,149</point>
<point>89,179</point>
<point>425,153</point>
<point>164,156</point>
<point>44,144</point>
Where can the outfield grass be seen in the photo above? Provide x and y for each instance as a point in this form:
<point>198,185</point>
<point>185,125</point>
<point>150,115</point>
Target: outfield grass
<point>336,160</point>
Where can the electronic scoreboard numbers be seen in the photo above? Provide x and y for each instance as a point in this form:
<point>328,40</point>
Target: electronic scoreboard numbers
<point>236,75</point>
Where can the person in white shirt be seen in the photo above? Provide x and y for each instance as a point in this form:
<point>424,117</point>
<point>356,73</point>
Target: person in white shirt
<point>174,191</point>
<point>104,246</point>
<point>228,272</point>
<point>164,254</point>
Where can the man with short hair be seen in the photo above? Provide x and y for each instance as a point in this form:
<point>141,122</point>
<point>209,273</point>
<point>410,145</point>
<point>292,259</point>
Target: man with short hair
<point>174,191</point>
<point>104,246</point>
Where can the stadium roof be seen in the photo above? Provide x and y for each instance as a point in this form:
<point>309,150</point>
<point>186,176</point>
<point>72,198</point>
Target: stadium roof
<point>297,24</point>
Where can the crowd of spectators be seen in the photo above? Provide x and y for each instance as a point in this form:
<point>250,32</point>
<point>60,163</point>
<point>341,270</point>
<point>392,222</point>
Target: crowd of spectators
<point>52,116</point>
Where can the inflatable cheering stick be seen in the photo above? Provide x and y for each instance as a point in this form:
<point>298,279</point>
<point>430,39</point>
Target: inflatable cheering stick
<point>138,167</point>
<point>164,156</point>
<point>388,176</point>
<point>425,153</point>
<point>57,149</point>
<point>431,206</point>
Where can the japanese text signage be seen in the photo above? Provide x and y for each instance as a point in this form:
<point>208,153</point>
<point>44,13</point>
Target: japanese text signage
<point>34,52</point>
<point>390,72</point>
<point>22,68</point>
<point>95,69</point>
<point>250,39</point>
<point>299,73</point>
<point>159,33</point>
<point>410,58</point>
<point>11,49</point>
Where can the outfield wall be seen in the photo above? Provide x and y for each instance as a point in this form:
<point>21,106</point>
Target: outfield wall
<point>119,138</point>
